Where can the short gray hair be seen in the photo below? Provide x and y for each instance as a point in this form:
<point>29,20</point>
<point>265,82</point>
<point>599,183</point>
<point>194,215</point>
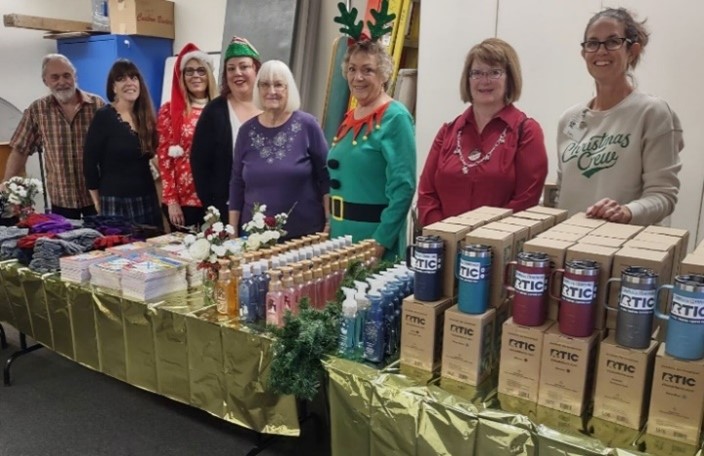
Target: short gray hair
<point>375,48</point>
<point>276,69</point>
<point>54,57</point>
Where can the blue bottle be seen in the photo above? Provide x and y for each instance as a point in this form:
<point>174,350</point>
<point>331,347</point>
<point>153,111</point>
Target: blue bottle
<point>685,322</point>
<point>374,332</point>
<point>474,276</point>
<point>362,309</point>
<point>347,343</point>
<point>262,282</point>
<point>247,295</point>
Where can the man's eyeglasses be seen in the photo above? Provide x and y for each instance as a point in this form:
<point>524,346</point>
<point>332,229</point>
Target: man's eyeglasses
<point>200,71</point>
<point>612,44</point>
<point>277,86</point>
<point>494,73</point>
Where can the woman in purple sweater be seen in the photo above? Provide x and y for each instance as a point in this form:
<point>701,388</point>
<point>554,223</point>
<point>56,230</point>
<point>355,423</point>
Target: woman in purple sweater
<point>280,158</point>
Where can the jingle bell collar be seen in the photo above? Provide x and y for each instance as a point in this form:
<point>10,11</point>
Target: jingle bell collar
<point>178,102</point>
<point>380,26</point>
<point>240,47</point>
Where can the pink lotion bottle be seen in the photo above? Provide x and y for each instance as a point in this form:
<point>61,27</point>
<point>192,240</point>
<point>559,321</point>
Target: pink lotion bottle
<point>275,300</point>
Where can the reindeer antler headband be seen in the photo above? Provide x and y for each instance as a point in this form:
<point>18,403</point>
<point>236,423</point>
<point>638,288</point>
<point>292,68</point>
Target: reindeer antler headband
<point>380,26</point>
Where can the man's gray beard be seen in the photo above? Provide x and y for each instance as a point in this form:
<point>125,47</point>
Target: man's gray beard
<point>65,95</point>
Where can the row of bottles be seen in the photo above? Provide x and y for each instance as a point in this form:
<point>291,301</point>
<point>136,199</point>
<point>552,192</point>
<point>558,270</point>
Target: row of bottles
<point>370,327</point>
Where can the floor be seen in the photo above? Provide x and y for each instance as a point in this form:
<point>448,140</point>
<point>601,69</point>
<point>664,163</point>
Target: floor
<point>57,407</point>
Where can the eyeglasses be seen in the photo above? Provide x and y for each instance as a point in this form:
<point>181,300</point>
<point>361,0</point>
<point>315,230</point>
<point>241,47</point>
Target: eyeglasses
<point>494,73</point>
<point>278,86</point>
<point>612,44</point>
<point>132,77</point>
<point>200,71</point>
<point>241,68</point>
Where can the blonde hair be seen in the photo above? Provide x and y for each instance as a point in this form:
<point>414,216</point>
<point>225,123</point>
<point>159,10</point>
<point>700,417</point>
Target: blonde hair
<point>494,51</point>
<point>212,90</point>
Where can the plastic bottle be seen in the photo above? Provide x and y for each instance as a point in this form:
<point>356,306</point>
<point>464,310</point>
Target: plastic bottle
<point>221,291</point>
<point>262,289</point>
<point>374,333</point>
<point>362,309</point>
<point>347,345</point>
<point>274,300</point>
<point>289,291</point>
<point>100,21</point>
<point>308,283</point>
<point>247,296</point>
<point>234,290</point>
<point>298,284</point>
<point>319,281</point>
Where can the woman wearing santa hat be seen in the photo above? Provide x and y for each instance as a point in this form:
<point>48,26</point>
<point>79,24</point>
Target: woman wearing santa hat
<point>192,88</point>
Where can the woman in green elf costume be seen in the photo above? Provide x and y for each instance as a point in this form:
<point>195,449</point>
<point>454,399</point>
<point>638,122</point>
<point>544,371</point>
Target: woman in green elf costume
<point>372,161</point>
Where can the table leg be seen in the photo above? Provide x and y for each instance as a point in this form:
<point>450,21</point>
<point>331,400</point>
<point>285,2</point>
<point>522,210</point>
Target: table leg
<point>24,349</point>
<point>3,338</point>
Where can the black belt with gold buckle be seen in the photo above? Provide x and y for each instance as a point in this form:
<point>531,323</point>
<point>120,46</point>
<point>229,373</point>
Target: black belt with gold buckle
<point>356,212</point>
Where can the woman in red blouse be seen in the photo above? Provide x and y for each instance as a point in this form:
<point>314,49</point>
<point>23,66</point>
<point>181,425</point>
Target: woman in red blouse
<point>192,87</point>
<point>492,154</point>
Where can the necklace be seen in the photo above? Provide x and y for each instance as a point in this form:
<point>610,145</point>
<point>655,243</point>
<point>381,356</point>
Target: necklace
<point>475,156</point>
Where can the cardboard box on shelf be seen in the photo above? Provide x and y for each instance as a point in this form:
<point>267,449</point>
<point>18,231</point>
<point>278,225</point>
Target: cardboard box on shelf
<point>617,230</point>
<point>142,17</point>
<point>567,371</point>
<point>680,233</point>
<point>452,235</point>
<point>560,215</point>
<point>535,227</point>
<point>556,251</point>
<point>603,241</point>
<point>467,345</point>
<point>604,256</point>
<point>501,244</point>
<point>547,220</point>
<point>519,365</point>
<point>520,234</point>
<point>623,381</point>
<point>677,399</point>
<point>581,219</point>
<point>421,332</point>
<point>659,262</point>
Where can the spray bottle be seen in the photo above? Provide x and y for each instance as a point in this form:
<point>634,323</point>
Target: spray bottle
<point>347,345</point>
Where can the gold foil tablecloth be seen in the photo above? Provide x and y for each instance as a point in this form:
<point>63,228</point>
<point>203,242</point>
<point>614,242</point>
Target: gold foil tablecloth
<point>406,412</point>
<point>174,346</point>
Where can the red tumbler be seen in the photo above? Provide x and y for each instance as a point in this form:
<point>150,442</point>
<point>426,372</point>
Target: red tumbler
<point>578,297</point>
<point>530,287</point>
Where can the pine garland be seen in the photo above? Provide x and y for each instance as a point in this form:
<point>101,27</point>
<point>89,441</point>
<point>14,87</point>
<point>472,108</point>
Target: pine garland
<point>305,339</point>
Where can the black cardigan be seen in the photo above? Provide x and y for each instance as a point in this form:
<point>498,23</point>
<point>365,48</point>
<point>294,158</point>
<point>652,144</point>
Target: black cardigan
<point>211,155</point>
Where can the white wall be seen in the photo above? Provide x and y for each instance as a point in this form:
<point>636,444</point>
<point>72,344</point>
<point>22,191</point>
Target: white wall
<point>546,35</point>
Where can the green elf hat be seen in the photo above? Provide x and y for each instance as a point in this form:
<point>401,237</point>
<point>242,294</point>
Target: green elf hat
<point>240,47</point>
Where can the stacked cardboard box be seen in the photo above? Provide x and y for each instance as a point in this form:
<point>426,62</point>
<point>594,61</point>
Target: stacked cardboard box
<point>422,332</point>
<point>467,346</point>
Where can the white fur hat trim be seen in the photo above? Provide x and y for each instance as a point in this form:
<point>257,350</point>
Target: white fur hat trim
<point>200,55</point>
<point>175,151</point>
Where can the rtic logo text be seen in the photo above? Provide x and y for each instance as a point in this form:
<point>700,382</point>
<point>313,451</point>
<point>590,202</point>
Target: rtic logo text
<point>619,366</point>
<point>635,299</point>
<point>678,379</point>
<point>564,355</point>
<point>531,284</point>
<point>415,320</point>
<point>457,329</point>
<point>471,270</point>
<point>577,291</point>
<point>426,262</point>
<point>687,309</point>
<point>521,345</point>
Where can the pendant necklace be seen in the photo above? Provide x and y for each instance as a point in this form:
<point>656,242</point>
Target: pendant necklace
<point>475,156</point>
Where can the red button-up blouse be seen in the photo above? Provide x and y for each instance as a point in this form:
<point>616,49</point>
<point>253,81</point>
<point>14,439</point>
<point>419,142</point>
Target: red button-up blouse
<point>512,178</point>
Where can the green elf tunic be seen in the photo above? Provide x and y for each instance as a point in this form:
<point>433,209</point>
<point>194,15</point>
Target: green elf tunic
<point>372,166</point>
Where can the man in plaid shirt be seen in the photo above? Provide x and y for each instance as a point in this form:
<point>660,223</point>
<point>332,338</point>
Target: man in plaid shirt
<point>58,124</point>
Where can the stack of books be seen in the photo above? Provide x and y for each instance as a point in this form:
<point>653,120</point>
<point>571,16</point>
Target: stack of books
<point>166,239</point>
<point>108,273</point>
<point>152,278</point>
<point>130,250</point>
<point>76,268</point>
<point>194,276</point>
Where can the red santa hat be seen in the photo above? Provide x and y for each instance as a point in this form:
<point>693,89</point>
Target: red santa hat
<point>178,103</point>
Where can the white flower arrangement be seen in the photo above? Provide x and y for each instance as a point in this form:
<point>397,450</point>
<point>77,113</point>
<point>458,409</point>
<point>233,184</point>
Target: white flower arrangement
<point>19,195</point>
<point>213,242</point>
<point>265,230</point>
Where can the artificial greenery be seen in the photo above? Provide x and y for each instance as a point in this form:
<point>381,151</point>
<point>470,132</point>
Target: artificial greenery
<point>305,339</point>
<point>379,27</point>
<point>348,19</point>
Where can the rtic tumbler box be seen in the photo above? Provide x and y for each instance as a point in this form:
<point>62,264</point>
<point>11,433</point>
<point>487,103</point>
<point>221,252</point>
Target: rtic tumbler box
<point>566,371</point>
<point>560,236</point>
<point>421,332</point>
<point>519,365</point>
<point>500,211</point>
<point>520,234</point>
<point>503,313</point>
<point>556,251</point>
<point>603,241</point>
<point>668,246</point>
<point>472,223</point>
<point>547,220</point>
<point>467,345</point>
<point>560,215</point>
<point>617,230</point>
<point>623,381</point>
<point>535,227</point>
<point>604,256</point>
<point>659,262</point>
<point>575,229</point>
<point>581,219</point>
<point>501,244</point>
<point>452,235</point>
<point>486,213</point>
<point>681,234</point>
<point>692,264</point>
<point>677,399</point>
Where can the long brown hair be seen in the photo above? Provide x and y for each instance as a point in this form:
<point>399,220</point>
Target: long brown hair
<point>143,109</point>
